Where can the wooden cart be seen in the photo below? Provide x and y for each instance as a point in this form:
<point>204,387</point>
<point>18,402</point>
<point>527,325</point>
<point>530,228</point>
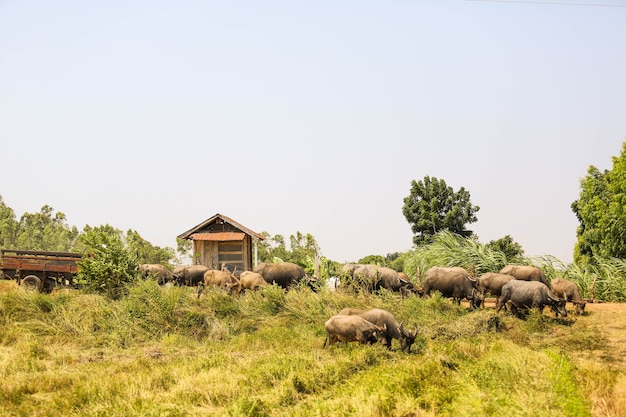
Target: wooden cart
<point>39,270</point>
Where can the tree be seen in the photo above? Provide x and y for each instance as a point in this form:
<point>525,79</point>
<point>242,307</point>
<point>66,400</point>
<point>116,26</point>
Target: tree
<point>108,263</point>
<point>146,252</point>
<point>511,249</point>
<point>46,230</point>
<point>601,213</point>
<point>373,260</point>
<point>8,226</point>
<point>433,206</point>
<point>272,247</point>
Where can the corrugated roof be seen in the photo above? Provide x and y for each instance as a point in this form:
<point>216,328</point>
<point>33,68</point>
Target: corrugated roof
<point>193,230</point>
<point>219,237</point>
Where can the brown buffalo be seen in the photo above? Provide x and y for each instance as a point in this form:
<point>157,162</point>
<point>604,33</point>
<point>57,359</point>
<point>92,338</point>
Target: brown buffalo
<point>385,319</point>
<point>454,283</point>
<point>526,273</point>
<point>569,290</point>
<point>158,272</point>
<point>249,280</point>
<point>220,279</point>
<point>492,282</point>
<point>351,329</point>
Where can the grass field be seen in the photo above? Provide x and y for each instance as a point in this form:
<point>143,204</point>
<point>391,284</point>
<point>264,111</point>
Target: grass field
<point>163,352</point>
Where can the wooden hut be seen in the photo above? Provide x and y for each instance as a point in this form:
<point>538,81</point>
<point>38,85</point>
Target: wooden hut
<point>222,242</point>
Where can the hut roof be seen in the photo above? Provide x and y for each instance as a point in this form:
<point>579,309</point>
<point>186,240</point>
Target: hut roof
<point>196,234</point>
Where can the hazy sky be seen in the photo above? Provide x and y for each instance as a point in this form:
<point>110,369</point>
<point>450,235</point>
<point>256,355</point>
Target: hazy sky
<point>310,116</point>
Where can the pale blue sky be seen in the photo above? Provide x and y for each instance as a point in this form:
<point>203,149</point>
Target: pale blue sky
<point>309,116</point>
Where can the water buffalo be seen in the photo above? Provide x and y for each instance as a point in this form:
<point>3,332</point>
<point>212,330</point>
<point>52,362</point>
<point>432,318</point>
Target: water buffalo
<point>284,274</point>
<point>452,282</point>
<point>492,282</point>
<point>374,277</point>
<point>569,290</point>
<point>220,279</point>
<point>351,329</point>
<point>526,294</point>
<point>525,273</point>
<point>249,280</point>
<point>383,318</point>
<point>158,272</point>
<point>190,275</point>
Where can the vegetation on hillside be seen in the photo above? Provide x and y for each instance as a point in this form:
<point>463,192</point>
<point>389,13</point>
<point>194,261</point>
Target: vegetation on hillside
<point>160,351</point>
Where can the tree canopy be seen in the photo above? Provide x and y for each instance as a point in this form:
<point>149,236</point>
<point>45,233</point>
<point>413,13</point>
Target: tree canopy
<point>601,212</point>
<point>433,206</point>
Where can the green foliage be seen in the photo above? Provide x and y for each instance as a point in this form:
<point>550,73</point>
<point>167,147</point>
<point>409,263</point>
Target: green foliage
<point>511,249</point>
<point>44,230</point>
<point>8,226</point>
<point>108,264</point>
<point>373,260</point>
<point>146,252</point>
<point>601,212</point>
<point>303,251</point>
<point>432,206</point>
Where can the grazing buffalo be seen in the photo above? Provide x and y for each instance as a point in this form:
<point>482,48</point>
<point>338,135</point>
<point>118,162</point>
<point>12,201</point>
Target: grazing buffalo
<point>158,272</point>
<point>527,294</point>
<point>284,274</point>
<point>374,277</point>
<point>569,290</point>
<point>525,273</point>
<point>191,275</point>
<point>220,279</point>
<point>453,282</point>
<point>351,329</point>
<point>492,282</point>
<point>385,319</point>
<point>249,280</point>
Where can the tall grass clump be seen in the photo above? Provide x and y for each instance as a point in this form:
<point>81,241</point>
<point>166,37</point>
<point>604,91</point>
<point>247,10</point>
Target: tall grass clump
<point>449,249</point>
<point>603,280</point>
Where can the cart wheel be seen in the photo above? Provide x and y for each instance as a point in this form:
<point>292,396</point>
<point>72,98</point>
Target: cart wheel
<point>32,282</point>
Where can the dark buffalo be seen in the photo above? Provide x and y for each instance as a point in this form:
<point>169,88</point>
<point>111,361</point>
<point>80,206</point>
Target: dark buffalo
<point>158,272</point>
<point>569,290</point>
<point>351,329</point>
<point>383,318</point>
<point>526,273</point>
<point>284,274</point>
<point>455,283</point>
<point>527,294</point>
<point>492,282</point>
<point>191,275</point>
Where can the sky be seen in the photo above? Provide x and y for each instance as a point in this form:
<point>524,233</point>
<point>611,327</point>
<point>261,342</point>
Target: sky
<point>310,116</point>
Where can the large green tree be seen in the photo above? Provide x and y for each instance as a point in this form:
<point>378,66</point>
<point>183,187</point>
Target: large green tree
<point>601,213</point>
<point>433,206</point>
<point>46,230</point>
<point>8,226</point>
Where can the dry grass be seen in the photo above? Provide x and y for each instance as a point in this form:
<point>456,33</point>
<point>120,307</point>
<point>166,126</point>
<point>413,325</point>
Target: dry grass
<point>162,352</point>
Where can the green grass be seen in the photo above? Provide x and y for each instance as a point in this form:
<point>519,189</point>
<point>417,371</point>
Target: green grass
<point>163,352</point>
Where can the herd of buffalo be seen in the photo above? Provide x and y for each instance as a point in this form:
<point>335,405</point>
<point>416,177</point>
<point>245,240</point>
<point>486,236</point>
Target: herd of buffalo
<point>516,287</point>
